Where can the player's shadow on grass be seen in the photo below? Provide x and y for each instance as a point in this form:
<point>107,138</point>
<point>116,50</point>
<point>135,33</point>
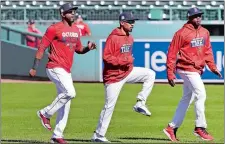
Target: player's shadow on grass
<point>21,141</point>
<point>143,138</point>
<point>157,139</point>
<point>84,140</point>
<point>41,142</point>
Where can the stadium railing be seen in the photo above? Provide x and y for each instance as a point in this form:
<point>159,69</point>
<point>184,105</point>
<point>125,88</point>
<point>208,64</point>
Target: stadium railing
<point>22,34</point>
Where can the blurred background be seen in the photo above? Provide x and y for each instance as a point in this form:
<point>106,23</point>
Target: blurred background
<point>24,22</point>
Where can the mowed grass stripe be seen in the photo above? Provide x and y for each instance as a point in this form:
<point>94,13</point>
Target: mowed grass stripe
<point>20,103</point>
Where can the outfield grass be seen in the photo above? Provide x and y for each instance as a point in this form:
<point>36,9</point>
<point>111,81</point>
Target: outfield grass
<point>20,103</point>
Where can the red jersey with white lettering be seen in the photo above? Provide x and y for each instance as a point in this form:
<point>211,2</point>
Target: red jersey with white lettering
<point>63,40</point>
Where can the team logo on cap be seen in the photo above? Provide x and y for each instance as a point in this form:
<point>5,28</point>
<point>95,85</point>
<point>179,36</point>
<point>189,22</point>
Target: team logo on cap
<point>195,9</point>
<point>61,10</point>
<point>122,17</point>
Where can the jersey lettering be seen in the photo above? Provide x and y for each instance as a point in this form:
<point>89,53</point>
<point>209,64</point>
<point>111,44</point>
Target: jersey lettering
<point>69,34</point>
<point>70,39</point>
<point>197,42</point>
<point>125,48</point>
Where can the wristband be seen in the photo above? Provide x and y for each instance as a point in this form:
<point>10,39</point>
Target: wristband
<point>86,48</point>
<point>36,63</point>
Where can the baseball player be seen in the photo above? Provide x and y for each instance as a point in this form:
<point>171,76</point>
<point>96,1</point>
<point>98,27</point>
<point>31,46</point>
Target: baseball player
<point>118,69</point>
<point>63,39</point>
<point>188,53</point>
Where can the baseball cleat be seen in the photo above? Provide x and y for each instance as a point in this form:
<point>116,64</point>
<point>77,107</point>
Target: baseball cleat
<point>140,107</point>
<point>203,134</point>
<point>100,139</point>
<point>171,133</point>
<point>58,140</point>
<point>44,121</point>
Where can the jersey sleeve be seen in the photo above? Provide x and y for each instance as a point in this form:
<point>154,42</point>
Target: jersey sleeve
<point>209,55</point>
<point>47,39</point>
<point>108,53</point>
<point>174,47</point>
<point>79,46</point>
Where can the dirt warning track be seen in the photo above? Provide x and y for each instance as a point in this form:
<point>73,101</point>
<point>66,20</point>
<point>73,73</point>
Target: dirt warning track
<point>22,81</point>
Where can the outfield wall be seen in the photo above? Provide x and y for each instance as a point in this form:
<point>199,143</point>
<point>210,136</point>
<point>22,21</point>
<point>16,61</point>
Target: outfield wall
<point>17,60</point>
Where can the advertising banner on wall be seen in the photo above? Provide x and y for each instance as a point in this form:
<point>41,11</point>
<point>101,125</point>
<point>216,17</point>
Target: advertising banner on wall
<point>151,53</point>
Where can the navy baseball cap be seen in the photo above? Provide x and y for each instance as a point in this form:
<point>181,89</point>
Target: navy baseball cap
<point>127,16</point>
<point>194,11</point>
<point>67,7</point>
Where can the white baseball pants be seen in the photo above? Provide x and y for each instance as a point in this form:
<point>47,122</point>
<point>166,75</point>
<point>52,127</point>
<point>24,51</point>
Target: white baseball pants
<point>112,91</point>
<point>193,89</point>
<point>61,104</point>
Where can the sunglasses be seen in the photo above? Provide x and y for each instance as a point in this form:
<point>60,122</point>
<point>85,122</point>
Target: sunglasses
<point>70,12</point>
<point>195,16</point>
<point>130,21</point>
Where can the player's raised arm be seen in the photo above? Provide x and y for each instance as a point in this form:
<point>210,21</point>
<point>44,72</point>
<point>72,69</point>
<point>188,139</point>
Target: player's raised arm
<point>174,47</point>
<point>209,57</point>
<point>45,42</point>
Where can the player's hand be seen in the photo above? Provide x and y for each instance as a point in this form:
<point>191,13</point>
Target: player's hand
<point>217,72</point>
<point>32,72</point>
<point>91,45</point>
<point>171,82</point>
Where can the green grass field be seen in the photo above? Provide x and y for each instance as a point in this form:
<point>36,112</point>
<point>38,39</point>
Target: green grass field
<point>20,103</point>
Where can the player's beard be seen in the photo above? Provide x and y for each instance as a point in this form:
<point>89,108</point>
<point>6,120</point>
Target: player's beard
<point>69,20</point>
<point>127,29</point>
<point>72,19</point>
<point>130,29</point>
<point>196,24</point>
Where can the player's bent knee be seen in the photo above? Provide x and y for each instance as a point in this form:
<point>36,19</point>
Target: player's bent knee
<point>71,94</point>
<point>151,74</point>
<point>200,94</point>
<point>200,97</point>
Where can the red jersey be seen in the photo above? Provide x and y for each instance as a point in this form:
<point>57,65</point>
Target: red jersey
<point>63,41</point>
<point>117,56</point>
<point>84,29</point>
<point>31,41</point>
<point>190,50</point>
